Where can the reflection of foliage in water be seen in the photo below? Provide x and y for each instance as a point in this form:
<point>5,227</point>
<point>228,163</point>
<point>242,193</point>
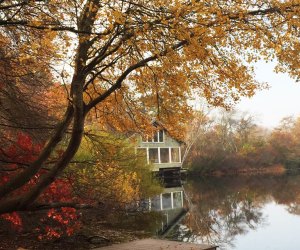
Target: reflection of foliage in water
<point>222,208</point>
<point>219,224</point>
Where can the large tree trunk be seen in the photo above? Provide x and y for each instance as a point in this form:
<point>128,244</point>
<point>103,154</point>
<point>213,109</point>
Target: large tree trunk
<point>21,202</point>
<point>27,174</point>
<point>75,110</point>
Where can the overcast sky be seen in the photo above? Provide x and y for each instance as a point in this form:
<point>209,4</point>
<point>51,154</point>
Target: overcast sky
<point>271,105</point>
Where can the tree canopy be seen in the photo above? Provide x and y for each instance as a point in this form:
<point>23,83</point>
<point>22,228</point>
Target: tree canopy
<point>121,62</point>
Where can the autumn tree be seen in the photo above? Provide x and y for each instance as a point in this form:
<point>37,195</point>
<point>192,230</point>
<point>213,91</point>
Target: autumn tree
<point>284,141</point>
<point>126,59</point>
<point>108,169</point>
<point>231,144</point>
<point>195,132</point>
<point>24,78</point>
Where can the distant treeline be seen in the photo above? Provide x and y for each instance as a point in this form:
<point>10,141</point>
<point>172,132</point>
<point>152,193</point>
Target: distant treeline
<point>235,144</point>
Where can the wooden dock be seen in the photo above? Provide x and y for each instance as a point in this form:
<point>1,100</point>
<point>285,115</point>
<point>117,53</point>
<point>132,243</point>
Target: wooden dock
<point>156,244</point>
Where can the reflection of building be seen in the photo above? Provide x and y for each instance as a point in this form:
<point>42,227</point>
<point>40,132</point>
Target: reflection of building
<point>171,204</point>
<point>161,150</point>
<point>172,198</point>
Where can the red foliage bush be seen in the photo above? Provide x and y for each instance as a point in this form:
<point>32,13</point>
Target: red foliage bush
<point>53,223</point>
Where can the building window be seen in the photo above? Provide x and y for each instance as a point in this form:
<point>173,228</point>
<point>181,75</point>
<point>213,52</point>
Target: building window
<point>164,155</point>
<point>158,136</point>
<point>166,201</point>
<point>155,137</point>
<point>161,155</point>
<point>153,155</point>
<point>161,136</point>
<point>177,199</point>
<point>175,155</point>
<point>155,203</point>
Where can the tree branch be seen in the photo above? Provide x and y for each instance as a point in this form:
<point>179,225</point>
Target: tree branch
<point>35,207</point>
<point>76,111</point>
<point>123,76</point>
<point>27,174</point>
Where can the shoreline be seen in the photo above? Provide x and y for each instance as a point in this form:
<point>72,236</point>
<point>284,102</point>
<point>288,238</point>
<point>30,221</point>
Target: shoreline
<point>277,169</point>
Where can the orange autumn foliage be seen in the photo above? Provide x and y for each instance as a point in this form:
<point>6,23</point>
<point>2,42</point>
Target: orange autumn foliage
<point>125,63</point>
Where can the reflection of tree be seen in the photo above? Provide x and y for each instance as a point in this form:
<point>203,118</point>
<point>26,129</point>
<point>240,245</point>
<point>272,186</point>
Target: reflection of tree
<point>294,208</point>
<point>219,221</point>
<point>222,208</point>
<point>287,192</point>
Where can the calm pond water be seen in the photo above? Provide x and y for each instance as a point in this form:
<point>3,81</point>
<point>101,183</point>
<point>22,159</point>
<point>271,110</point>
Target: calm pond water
<point>256,212</point>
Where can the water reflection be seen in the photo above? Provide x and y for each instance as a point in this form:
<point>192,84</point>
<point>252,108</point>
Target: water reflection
<point>223,209</point>
<point>171,205</point>
<point>171,198</point>
<point>257,212</point>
